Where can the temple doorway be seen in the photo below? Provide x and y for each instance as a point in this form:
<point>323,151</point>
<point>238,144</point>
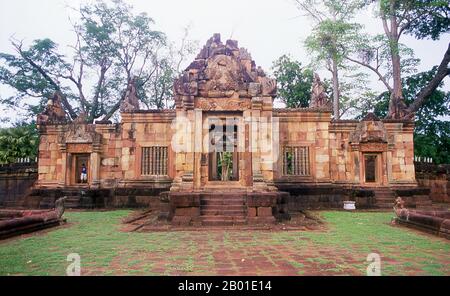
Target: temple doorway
<point>371,167</point>
<point>81,171</point>
<point>223,152</point>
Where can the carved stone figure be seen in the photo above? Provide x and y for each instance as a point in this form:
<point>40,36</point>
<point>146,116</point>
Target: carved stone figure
<point>53,112</point>
<point>131,101</point>
<point>318,96</point>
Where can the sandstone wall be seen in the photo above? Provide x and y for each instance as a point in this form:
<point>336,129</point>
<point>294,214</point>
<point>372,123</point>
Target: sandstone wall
<point>110,155</point>
<point>50,161</point>
<point>16,181</point>
<point>344,163</point>
<point>302,127</point>
<point>144,129</point>
<point>435,177</point>
<point>401,159</point>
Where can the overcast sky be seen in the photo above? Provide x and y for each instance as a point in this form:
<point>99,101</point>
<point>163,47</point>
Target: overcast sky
<point>267,28</point>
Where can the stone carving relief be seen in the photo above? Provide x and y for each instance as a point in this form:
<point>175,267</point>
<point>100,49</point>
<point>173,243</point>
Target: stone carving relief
<point>369,130</point>
<point>131,100</point>
<point>222,71</point>
<point>222,104</point>
<point>53,112</point>
<point>318,97</point>
<point>79,132</point>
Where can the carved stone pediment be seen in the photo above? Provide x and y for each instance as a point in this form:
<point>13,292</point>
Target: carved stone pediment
<point>369,130</point>
<point>222,71</point>
<point>79,133</point>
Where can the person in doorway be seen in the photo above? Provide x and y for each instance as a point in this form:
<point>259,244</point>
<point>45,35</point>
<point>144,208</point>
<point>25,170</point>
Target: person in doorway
<point>83,176</point>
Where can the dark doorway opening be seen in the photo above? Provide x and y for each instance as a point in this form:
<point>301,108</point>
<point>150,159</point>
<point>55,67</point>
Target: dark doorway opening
<point>223,155</point>
<point>370,168</point>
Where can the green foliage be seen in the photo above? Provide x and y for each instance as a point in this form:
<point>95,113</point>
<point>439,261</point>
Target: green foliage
<point>376,51</point>
<point>331,40</point>
<point>18,142</point>
<point>420,18</point>
<point>114,45</point>
<point>294,82</point>
<point>19,74</point>
<point>432,130</point>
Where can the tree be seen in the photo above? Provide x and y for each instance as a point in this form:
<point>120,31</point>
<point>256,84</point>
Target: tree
<point>421,18</point>
<point>113,46</point>
<point>432,130</point>
<point>331,36</point>
<point>294,82</point>
<point>18,142</point>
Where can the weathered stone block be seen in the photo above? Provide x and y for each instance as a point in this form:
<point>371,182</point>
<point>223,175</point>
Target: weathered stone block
<point>264,211</point>
<point>251,212</point>
<point>191,211</point>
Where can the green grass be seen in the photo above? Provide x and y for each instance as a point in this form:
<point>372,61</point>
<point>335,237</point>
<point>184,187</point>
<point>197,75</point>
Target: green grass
<point>104,249</point>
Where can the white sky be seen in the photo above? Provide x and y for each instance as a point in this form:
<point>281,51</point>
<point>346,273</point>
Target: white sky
<point>267,28</point>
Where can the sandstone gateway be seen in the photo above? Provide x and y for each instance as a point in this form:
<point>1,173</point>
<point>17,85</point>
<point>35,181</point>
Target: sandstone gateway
<point>224,155</point>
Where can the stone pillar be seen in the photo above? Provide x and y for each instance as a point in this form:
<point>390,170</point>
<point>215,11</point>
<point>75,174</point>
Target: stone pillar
<point>268,142</point>
<point>63,174</point>
<point>95,169</point>
<point>255,142</point>
<point>356,162</point>
<point>183,145</point>
<point>198,141</point>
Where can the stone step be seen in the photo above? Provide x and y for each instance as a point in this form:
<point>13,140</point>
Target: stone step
<point>222,212</point>
<point>231,196</point>
<point>222,207</point>
<point>384,205</point>
<point>223,223</point>
<point>391,200</point>
<point>222,202</point>
<point>10,203</point>
<point>223,220</point>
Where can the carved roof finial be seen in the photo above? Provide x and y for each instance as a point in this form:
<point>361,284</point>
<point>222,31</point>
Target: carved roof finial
<point>53,112</point>
<point>131,100</point>
<point>318,96</point>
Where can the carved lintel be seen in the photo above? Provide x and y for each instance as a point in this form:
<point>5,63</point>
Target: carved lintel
<point>222,104</point>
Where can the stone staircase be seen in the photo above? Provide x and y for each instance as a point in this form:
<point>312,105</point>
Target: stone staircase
<point>223,209</point>
<point>75,199</point>
<point>384,197</point>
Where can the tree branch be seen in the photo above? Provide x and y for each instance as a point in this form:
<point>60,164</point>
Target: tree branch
<point>114,108</point>
<point>441,73</point>
<point>381,77</point>
<point>66,104</point>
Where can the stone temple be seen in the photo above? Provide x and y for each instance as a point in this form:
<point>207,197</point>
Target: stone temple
<point>224,155</point>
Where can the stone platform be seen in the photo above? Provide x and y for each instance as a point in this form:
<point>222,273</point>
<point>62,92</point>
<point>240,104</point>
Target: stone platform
<point>224,208</point>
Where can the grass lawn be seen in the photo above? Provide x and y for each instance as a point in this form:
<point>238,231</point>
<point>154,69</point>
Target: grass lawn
<point>340,250</point>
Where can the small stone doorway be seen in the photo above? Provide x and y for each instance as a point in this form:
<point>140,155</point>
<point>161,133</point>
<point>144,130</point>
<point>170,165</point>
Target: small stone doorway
<point>78,161</point>
<point>372,168</point>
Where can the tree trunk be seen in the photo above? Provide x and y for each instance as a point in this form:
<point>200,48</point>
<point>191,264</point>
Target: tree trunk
<point>396,105</point>
<point>335,90</point>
